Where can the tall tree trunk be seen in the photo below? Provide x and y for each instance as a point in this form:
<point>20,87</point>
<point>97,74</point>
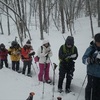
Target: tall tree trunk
<point>8,24</point>
<point>91,23</point>
<point>61,4</point>
<point>98,6</point>
<point>40,19</point>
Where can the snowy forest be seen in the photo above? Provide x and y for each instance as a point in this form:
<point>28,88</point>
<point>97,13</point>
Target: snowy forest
<point>43,13</point>
<point>54,20</point>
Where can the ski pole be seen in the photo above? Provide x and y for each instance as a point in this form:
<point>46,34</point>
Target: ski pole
<point>33,67</point>
<point>53,80</point>
<point>43,80</point>
<point>31,94</point>
<point>81,87</point>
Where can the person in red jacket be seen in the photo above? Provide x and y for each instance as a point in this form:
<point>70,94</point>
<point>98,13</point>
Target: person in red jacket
<point>3,55</point>
<point>26,54</point>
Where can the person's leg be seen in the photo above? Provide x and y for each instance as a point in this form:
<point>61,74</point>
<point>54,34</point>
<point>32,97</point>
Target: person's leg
<point>96,89</point>
<point>1,64</point>
<point>6,63</point>
<point>88,89</point>
<point>41,72</point>
<point>29,67</point>
<point>17,65</point>
<point>24,67</point>
<point>46,76</point>
<point>13,65</point>
<point>69,77</point>
<point>62,73</point>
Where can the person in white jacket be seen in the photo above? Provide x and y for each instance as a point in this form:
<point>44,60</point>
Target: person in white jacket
<point>44,53</point>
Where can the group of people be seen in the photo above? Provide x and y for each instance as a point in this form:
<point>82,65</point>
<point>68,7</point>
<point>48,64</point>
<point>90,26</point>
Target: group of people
<point>67,55</point>
<point>16,54</point>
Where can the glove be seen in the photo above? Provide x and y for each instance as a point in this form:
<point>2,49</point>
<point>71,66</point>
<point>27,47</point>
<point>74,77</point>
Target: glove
<point>73,56</point>
<point>97,58</point>
<point>90,60</point>
<point>67,56</point>
<point>97,61</point>
<point>14,53</point>
<point>47,56</point>
<point>18,52</point>
<point>98,55</point>
<point>32,54</point>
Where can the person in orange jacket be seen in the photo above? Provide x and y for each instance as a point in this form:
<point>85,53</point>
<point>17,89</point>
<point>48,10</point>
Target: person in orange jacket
<point>14,51</point>
<point>26,55</point>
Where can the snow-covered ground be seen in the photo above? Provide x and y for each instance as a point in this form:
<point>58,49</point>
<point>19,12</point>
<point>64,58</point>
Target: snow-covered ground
<point>15,86</point>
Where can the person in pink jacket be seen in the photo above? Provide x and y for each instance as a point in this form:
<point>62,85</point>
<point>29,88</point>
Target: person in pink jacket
<point>44,53</point>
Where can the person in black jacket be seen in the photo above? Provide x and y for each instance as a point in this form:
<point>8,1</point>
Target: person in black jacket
<point>67,53</point>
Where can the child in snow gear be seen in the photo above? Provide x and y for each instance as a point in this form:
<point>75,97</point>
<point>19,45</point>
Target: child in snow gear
<point>14,52</point>
<point>44,61</point>
<point>26,54</point>
<point>31,96</point>
<point>3,56</point>
<point>91,58</point>
<point>67,53</point>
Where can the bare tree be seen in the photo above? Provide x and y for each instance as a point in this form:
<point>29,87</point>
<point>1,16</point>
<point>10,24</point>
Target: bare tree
<point>40,19</point>
<point>98,5</point>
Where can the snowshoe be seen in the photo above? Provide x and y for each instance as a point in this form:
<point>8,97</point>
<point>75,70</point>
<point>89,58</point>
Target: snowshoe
<point>29,75</point>
<point>60,90</point>
<point>67,90</point>
<point>48,81</point>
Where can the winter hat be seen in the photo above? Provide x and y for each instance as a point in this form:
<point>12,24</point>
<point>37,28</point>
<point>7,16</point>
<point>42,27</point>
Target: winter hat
<point>97,37</point>
<point>45,42</point>
<point>28,43</point>
<point>69,41</point>
<point>2,46</point>
<point>14,43</point>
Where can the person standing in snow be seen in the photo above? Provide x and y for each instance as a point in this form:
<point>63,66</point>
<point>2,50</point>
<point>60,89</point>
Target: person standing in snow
<point>67,54</point>
<point>26,54</point>
<point>14,52</point>
<point>44,53</point>
<point>3,56</point>
<point>91,58</point>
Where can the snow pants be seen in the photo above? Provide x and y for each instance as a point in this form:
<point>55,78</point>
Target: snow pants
<point>3,61</point>
<point>92,90</point>
<point>15,65</point>
<point>66,69</point>
<point>27,64</point>
<point>44,72</point>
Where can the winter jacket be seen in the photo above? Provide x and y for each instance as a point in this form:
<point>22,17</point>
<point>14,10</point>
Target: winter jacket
<point>44,54</point>
<point>92,68</point>
<point>65,53</point>
<point>14,53</point>
<point>27,53</point>
<point>3,54</point>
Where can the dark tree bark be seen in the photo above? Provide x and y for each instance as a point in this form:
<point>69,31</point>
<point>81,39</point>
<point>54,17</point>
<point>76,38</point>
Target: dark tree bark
<point>40,19</point>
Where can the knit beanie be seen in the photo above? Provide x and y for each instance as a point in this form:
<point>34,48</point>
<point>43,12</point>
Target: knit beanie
<point>97,37</point>
<point>45,42</point>
<point>28,43</point>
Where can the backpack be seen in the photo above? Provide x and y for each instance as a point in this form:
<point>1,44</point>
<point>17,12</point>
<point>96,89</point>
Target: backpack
<point>36,58</point>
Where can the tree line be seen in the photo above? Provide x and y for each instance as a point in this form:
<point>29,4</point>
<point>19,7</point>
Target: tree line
<point>44,13</point>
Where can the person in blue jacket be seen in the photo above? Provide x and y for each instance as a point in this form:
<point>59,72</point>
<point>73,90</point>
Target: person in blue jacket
<point>91,58</point>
